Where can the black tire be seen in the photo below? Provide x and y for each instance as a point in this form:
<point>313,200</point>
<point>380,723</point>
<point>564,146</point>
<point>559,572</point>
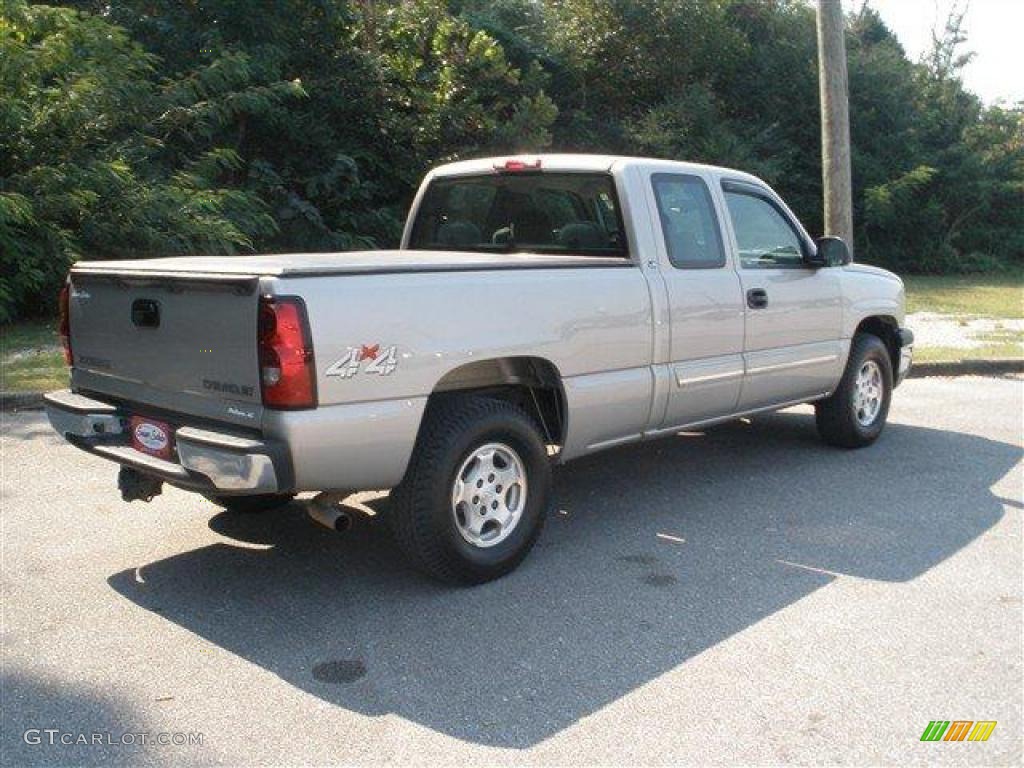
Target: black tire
<point>837,415</point>
<point>249,505</point>
<point>422,517</point>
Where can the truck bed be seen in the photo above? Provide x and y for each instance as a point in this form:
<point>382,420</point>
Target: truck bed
<point>351,262</point>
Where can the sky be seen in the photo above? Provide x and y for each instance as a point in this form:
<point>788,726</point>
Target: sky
<point>994,32</point>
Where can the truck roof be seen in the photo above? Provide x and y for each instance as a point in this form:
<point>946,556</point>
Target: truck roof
<point>581,162</point>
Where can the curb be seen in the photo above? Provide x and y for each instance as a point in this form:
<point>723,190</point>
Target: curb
<point>968,368</point>
<point>33,401</point>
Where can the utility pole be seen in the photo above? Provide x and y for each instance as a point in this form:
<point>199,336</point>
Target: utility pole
<point>835,122</point>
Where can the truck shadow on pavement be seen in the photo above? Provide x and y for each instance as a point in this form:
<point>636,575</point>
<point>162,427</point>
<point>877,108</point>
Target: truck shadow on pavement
<point>31,734</point>
<point>652,554</point>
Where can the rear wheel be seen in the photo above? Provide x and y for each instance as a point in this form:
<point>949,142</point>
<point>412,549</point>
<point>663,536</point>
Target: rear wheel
<point>855,414</point>
<point>475,495</point>
<point>252,504</point>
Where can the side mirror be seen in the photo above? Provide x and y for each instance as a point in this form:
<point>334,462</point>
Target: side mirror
<point>831,252</point>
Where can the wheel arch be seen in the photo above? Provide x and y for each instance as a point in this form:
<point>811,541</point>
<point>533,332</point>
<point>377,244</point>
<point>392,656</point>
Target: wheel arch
<point>886,328</point>
<point>535,383</point>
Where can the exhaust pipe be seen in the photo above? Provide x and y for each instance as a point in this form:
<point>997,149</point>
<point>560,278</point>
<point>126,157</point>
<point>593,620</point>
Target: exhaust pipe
<point>325,510</point>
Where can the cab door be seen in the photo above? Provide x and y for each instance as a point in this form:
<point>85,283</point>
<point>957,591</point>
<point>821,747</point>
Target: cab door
<point>793,312</point>
<point>705,358</point>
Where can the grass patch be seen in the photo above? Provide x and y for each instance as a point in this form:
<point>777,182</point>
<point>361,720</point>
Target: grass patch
<point>980,295</point>
<point>35,334</point>
<point>970,296</point>
<point>953,354</point>
<point>30,358</point>
<point>1000,344</point>
<point>41,373</point>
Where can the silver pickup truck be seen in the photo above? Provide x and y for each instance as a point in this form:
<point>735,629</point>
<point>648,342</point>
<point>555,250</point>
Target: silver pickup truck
<point>538,309</point>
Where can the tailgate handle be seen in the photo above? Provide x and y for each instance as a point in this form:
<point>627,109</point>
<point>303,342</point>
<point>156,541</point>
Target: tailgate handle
<point>146,313</point>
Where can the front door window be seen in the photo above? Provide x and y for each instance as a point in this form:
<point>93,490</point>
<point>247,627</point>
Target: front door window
<point>764,237</point>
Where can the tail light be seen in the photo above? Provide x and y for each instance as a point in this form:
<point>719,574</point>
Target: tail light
<point>287,371</point>
<point>65,321</point>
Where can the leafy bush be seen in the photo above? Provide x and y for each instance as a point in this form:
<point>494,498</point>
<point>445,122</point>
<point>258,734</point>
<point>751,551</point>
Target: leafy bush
<point>85,164</point>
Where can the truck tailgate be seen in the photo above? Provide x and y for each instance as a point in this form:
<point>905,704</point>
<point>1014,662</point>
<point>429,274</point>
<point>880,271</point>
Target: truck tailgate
<point>182,344</point>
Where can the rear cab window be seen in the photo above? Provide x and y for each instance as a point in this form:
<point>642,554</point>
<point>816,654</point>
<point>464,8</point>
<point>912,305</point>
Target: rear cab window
<point>573,213</point>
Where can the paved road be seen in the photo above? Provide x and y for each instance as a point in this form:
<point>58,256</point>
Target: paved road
<point>741,595</point>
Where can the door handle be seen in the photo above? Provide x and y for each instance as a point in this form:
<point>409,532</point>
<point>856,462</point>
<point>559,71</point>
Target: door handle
<point>757,298</point>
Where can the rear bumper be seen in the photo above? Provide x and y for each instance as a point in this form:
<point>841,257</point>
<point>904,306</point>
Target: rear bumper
<point>906,338</point>
<point>206,461</point>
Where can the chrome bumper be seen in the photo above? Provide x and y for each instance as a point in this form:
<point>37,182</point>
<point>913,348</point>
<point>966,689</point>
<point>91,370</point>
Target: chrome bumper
<point>906,337</point>
<point>207,461</point>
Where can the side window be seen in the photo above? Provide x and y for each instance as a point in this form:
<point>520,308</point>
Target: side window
<point>688,221</point>
<point>764,237</point>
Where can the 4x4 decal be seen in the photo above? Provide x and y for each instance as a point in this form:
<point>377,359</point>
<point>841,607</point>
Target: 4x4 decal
<point>382,361</point>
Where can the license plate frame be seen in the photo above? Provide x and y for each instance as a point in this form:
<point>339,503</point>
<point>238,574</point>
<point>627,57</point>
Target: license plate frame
<point>152,436</point>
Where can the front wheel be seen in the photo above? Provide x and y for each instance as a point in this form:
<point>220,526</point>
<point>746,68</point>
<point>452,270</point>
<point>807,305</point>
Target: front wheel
<point>854,415</point>
<point>475,494</point>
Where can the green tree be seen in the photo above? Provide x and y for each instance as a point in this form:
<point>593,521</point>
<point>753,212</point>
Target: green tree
<point>85,164</point>
<point>145,127</point>
<point>941,175</point>
<point>392,89</point>
<point>449,90</point>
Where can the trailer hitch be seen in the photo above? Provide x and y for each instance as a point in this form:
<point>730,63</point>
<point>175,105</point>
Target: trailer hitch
<point>135,486</point>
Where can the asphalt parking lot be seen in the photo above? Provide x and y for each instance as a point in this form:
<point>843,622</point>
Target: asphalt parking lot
<point>742,595</point>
